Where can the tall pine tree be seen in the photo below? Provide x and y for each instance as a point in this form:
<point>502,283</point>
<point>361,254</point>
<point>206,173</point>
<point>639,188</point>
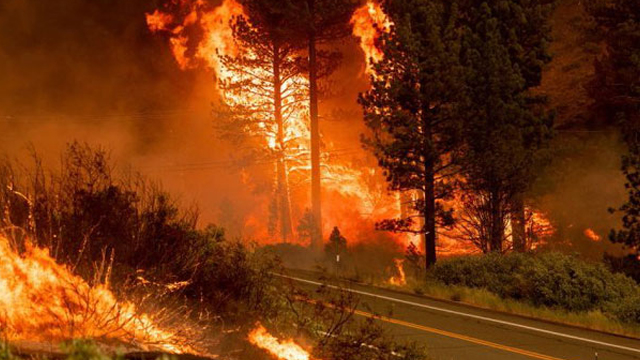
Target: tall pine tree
<point>320,22</point>
<point>503,132</point>
<point>264,92</point>
<point>411,108</point>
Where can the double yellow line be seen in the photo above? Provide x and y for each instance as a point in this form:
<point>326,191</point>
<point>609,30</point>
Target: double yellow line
<point>470,339</point>
<point>456,336</point>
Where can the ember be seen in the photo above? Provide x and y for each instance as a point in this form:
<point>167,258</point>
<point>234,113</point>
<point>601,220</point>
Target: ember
<point>592,235</point>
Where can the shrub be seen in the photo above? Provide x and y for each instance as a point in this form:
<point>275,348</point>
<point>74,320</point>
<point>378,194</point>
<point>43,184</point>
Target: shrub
<point>548,279</point>
<point>92,220</point>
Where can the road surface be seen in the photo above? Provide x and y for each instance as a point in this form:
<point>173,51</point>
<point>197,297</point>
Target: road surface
<point>457,332</point>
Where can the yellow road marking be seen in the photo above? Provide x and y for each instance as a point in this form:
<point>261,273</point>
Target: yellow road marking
<point>457,336</point>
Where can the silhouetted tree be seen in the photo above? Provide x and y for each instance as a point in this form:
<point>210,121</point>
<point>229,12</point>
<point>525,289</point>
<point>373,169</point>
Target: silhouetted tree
<point>616,87</point>
<point>320,21</point>
<point>504,128</point>
<point>411,109</point>
<point>526,32</point>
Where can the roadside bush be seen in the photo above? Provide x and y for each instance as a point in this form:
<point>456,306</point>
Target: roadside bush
<point>548,279</point>
<point>125,227</point>
<point>627,310</point>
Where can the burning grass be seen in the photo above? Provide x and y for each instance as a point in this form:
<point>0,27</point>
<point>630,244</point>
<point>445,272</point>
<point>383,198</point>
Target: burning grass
<point>284,350</point>
<point>43,301</point>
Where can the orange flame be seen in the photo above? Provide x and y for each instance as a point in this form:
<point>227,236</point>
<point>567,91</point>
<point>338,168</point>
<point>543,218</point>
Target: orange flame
<point>43,301</point>
<point>158,21</point>
<point>284,350</point>
<point>592,235</point>
<point>399,279</point>
<point>217,35</point>
<point>369,22</point>
<point>341,178</point>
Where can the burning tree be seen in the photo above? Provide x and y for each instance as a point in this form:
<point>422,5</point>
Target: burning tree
<point>263,93</point>
<point>411,109</point>
<point>320,21</point>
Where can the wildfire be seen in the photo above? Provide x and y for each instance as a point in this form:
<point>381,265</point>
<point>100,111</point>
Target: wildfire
<point>400,278</point>
<point>369,22</point>
<point>284,350</point>
<point>339,177</point>
<point>592,235</point>
<point>216,33</point>
<point>43,301</point>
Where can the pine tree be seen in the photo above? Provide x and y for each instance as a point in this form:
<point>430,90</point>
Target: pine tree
<point>524,25</point>
<point>263,92</point>
<point>411,108</point>
<point>320,21</point>
<point>503,131</point>
<point>616,91</point>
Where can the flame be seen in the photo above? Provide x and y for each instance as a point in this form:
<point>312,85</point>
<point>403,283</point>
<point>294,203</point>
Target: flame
<point>43,301</point>
<point>351,183</point>
<point>369,22</point>
<point>399,279</point>
<point>592,235</point>
<point>158,21</point>
<point>216,33</point>
<point>284,350</point>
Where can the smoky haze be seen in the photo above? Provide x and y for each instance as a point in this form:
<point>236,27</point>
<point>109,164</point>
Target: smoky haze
<point>92,71</point>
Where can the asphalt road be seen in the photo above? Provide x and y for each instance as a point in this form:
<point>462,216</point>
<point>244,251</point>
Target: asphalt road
<point>457,332</point>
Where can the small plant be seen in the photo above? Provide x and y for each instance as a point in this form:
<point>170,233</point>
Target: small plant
<point>80,349</point>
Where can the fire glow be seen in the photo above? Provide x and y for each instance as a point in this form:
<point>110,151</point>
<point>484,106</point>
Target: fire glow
<point>399,279</point>
<point>284,350</point>
<point>589,233</point>
<point>43,301</point>
<point>369,22</point>
<point>354,192</point>
<point>341,180</point>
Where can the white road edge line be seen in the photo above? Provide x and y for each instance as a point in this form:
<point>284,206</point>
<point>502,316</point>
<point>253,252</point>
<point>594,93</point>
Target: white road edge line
<point>531,328</point>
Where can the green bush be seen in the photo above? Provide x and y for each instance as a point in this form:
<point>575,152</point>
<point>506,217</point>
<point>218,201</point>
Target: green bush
<point>85,350</point>
<point>548,279</point>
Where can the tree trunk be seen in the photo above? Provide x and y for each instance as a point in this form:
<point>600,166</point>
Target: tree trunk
<point>430,217</point>
<point>429,191</point>
<point>518,224</point>
<point>497,228</point>
<point>284,213</point>
<point>316,208</point>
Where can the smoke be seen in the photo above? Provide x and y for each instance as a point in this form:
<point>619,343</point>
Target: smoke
<point>581,184</point>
